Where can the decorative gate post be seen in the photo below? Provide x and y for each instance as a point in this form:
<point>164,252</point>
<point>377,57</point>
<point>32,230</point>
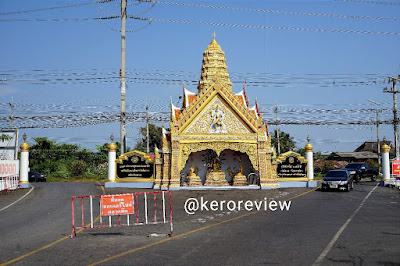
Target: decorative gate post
<point>112,150</point>
<point>24,164</point>
<point>385,163</point>
<point>310,160</point>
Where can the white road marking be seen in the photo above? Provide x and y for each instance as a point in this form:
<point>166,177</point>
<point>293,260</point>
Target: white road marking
<point>335,238</point>
<point>17,200</point>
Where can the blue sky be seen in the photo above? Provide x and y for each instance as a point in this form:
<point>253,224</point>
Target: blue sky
<point>70,68</point>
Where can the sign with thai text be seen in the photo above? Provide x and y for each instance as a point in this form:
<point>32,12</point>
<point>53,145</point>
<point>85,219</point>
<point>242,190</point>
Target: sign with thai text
<point>117,204</point>
<point>9,167</point>
<point>291,165</point>
<point>396,167</point>
<point>134,165</point>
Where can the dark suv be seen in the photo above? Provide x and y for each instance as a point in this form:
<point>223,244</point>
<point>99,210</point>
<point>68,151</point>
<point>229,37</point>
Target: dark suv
<point>362,170</point>
<point>36,177</point>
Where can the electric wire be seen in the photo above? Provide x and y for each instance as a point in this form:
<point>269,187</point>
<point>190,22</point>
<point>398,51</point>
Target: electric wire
<point>105,10</point>
<point>370,2</point>
<point>264,27</point>
<point>6,72</point>
<point>270,11</point>
<point>57,19</point>
<point>54,8</point>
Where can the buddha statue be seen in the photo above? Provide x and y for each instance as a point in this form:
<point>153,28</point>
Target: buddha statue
<point>192,179</point>
<point>215,176</point>
<point>240,179</point>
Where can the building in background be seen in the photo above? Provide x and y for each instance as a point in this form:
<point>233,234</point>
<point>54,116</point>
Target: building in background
<point>9,144</point>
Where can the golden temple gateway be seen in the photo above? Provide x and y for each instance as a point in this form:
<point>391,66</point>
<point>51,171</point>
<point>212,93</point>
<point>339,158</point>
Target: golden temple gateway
<point>215,138</point>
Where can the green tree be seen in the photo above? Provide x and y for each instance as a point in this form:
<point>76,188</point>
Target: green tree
<point>301,151</point>
<point>155,138</point>
<point>4,137</point>
<point>66,161</point>
<point>103,149</point>
<point>286,142</point>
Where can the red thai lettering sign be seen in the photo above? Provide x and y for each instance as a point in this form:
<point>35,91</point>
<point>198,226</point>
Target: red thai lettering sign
<point>396,167</point>
<point>117,204</point>
<point>9,167</point>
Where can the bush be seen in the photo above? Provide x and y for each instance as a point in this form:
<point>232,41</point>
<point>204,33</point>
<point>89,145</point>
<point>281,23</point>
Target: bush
<point>324,166</point>
<point>61,172</point>
<point>78,168</point>
<point>101,169</point>
<point>372,163</point>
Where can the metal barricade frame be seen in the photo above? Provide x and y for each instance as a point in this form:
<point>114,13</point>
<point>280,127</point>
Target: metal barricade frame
<point>9,183</point>
<point>138,219</point>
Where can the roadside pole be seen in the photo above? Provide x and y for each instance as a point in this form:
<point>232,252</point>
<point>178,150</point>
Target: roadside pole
<point>310,160</point>
<point>112,150</point>
<point>395,114</point>
<point>24,164</point>
<point>123,79</point>
<point>385,163</point>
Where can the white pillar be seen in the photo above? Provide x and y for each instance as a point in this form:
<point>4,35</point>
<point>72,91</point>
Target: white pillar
<point>385,162</point>
<point>24,164</point>
<point>310,161</point>
<point>112,151</point>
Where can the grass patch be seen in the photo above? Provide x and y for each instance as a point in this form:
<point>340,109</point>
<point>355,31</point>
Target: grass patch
<point>77,179</point>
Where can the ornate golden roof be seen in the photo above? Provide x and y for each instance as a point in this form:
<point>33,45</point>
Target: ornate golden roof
<point>213,66</point>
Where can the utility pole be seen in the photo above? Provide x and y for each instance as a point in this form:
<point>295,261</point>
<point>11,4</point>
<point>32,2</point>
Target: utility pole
<point>123,79</point>
<point>377,129</point>
<point>12,115</point>
<point>147,128</point>
<point>395,116</point>
<point>277,130</point>
<point>377,137</point>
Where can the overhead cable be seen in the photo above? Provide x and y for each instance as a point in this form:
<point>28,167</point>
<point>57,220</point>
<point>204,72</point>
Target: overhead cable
<point>54,8</point>
<point>370,2</point>
<point>56,19</point>
<point>264,27</point>
<point>272,11</point>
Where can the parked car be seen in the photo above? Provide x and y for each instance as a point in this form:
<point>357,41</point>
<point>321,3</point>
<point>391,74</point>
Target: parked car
<point>362,170</point>
<point>36,177</point>
<point>337,179</point>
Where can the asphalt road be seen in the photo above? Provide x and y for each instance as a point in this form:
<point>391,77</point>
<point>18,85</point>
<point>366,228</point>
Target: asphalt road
<point>360,227</point>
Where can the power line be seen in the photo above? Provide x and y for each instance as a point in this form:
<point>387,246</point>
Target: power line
<point>271,11</point>
<point>370,2</point>
<point>55,19</point>
<point>53,8</point>
<point>183,71</point>
<point>264,27</point>
<point>182,74</point>
<point>13,74</point>
<point>272,84</point>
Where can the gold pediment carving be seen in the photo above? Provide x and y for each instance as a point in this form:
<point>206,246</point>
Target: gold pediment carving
<point>217,118</point>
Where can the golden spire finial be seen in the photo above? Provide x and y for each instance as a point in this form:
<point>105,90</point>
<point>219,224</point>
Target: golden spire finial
<point>214,66</point>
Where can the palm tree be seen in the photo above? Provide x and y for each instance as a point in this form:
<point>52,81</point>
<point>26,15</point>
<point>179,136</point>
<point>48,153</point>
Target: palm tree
<point>286,142</point>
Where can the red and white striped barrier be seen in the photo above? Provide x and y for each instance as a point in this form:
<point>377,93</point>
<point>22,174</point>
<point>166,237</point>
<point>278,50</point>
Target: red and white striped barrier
<point>133,207</point>
<point>9,182</point>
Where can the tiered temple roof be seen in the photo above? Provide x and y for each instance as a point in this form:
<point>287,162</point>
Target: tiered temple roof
<point>214,66</point>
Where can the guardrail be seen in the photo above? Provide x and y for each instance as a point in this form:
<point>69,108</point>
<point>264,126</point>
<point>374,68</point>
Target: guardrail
<point>133,207</point>
<point>9,182</point>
